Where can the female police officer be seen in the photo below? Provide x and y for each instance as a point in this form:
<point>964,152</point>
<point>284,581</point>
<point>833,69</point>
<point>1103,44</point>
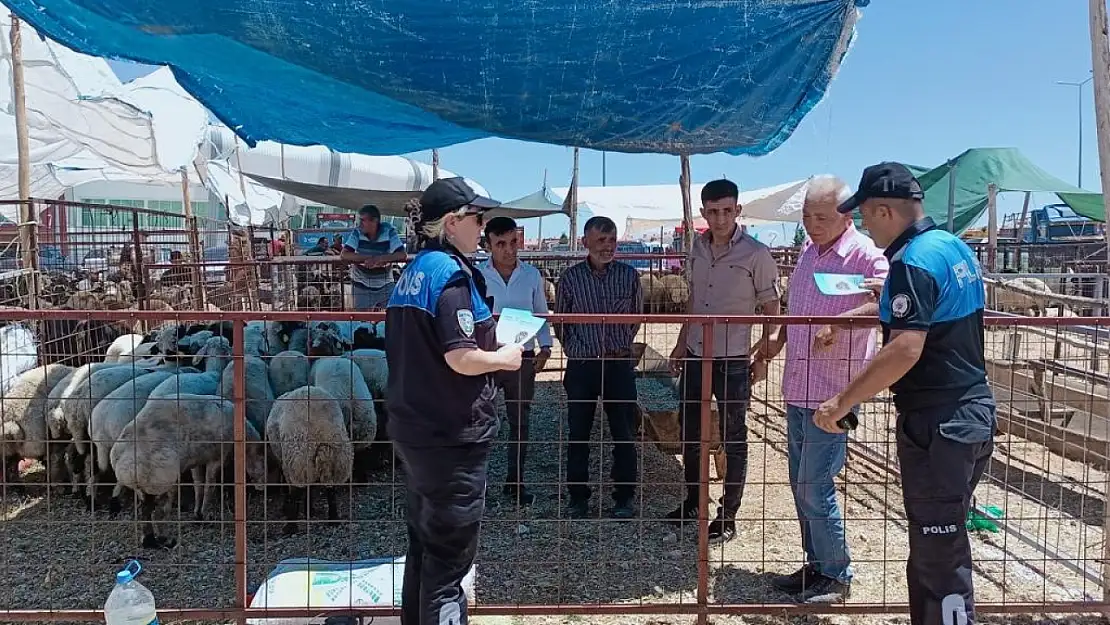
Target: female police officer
<point>441,348</point>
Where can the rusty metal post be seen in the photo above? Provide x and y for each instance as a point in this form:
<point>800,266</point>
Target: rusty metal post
<point>141,292</point>
<point>239,434</point>
<point>703,470</point>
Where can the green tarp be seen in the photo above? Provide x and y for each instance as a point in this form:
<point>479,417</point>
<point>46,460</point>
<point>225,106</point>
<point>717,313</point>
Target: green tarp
<point>1007,168</point>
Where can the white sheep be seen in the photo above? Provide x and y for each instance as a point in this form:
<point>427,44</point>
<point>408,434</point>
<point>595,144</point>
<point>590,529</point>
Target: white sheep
<point>215,353</point>
<point>168,438</point>
<point>23,413</point>
<point>127,346</point>
<point>308,436</point>
<point>258,394</point>
<point>374,368</point>
<point>342,378</point>
<point>108,419</point>
<point>288,370</point>
<point>73,388</point>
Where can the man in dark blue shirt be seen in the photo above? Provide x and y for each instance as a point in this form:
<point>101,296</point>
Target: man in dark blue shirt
<point>931,310</point>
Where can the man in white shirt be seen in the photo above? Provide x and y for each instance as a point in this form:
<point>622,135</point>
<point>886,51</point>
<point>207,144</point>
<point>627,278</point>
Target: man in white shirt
<point>512,283</point>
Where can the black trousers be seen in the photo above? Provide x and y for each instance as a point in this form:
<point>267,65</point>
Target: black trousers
<point>615,382</point>
<point>520,390</point>
<point>943,452</point>
<point>732,389</point>
<point>446,499</point>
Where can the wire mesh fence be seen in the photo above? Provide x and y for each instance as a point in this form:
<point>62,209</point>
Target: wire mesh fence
<point>173,448</point>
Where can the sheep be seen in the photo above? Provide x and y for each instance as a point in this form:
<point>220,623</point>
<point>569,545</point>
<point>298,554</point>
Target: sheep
<point>216,354</point>
<point>375,371</point>
<point>325,338</point>
<point>75,409</point>
<point>288,370</point>
<point>258,394</point>
<point>108,419</point>
<point>308,437</point>
<point>23,414</point>
<point>676,291</point>
<point>374,368</point>
<point>126,345</point>
<point>342,378</point>
<point>1008,300</point>
<point>167,438</point>
<point>69,386</point>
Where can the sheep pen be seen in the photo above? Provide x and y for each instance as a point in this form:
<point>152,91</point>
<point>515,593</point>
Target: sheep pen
<point>538,555</point>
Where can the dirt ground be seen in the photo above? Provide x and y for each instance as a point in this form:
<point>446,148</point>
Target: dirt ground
<point>57,555</point>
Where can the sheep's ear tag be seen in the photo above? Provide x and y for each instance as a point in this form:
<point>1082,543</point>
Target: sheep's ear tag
<point>284,337</point>
<point>466,321</point>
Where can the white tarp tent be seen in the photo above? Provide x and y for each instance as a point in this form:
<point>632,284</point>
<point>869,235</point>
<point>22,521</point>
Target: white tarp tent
<point>311,165</point>
<point>84,124</point>
<point>641,210</point>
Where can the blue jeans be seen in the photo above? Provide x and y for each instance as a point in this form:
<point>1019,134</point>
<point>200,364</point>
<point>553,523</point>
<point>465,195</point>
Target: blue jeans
<point>371,299</point>
<point>815,457</point>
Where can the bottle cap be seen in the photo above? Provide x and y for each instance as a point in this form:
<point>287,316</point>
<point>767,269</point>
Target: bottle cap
<point>128,573</point>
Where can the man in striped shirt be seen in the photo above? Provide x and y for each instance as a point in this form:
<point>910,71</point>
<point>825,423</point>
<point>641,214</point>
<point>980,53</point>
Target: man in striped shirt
<point>599,363</point>
<point>820,361</point>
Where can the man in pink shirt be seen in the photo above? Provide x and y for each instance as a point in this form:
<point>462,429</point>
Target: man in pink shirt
<point>820,361</point>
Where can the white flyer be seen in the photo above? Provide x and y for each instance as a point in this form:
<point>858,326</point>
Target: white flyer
<point>516,326</point>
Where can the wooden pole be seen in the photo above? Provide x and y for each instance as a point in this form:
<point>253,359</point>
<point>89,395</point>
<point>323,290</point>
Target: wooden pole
<point>1100,64</point>
<point>1019,230</point>
<point>687,205</point>
<point>27,221</point>
<point>196,272</point>
<point>435,164</point>
<point>992,227</point>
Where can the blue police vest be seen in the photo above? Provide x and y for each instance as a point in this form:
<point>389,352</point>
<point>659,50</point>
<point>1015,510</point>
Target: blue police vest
<point>952,365</point>
<point>423,280</point>
<point>954,267</point>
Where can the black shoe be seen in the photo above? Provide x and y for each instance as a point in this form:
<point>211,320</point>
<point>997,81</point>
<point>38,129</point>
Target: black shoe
<point>578,509</point>
<point>623,510</point>
<point>686,512</point>
<point>519,494</point>
<point>797,581</point>
<point>826,590</point>
<point>721,529</point>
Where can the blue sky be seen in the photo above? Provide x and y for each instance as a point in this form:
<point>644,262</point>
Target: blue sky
<point>924,81</point>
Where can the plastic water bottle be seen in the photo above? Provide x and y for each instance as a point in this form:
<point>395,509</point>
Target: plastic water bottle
<point>130,603</point>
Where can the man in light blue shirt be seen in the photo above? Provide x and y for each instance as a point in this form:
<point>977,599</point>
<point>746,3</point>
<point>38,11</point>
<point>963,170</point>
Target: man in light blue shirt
<point>371,249</point>
<point>513,283</point>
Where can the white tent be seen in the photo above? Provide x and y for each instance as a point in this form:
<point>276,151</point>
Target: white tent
<point>81,119</point>
<point>643,209</point>
<point>311,165</point>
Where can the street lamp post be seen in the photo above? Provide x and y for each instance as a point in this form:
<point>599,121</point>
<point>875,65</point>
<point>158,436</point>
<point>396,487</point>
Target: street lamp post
<point>1079,87</point>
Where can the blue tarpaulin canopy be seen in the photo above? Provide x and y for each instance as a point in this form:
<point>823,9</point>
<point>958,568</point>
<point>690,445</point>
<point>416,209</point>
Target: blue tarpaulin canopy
<point>398,76</point>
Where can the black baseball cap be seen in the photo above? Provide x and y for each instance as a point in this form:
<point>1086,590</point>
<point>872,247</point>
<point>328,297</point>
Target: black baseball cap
<point>885,180</point>
<point>447,195</point>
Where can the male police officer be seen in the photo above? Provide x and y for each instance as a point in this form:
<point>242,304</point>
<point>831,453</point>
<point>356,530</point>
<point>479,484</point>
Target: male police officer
<point>931,310</point>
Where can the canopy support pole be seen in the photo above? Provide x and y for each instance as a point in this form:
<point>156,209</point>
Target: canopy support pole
<point>1100,66</point>
<point>27,216</point>
<point>687,205</point>
<point>992,227</point>
<point>952,196</point>
<point>435,165</point>
<point>197,272</point>
<point>572,206</point>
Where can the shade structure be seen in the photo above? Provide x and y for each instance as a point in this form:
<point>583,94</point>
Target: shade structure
<point>644,209</point>
<point>397,77</point>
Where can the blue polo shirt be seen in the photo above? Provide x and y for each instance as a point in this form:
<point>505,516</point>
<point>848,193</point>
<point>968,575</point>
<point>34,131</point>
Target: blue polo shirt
<point>387,242</point>
<point>935,286</point>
